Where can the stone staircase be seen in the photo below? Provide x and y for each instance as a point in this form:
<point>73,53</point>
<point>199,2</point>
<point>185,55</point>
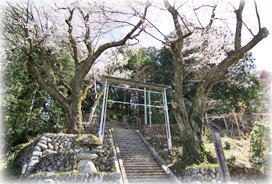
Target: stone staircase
<point>138,161</point>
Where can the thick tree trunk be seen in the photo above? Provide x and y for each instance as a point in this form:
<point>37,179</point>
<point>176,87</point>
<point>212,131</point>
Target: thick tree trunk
<point>190,122</point>
<point>192,145</point>
<point>74,115</point>
<point>197,110</point>
<point>189,126</point>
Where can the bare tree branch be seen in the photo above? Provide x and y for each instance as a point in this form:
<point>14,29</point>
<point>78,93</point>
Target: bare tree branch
<point>239,11</point>
<point>87,29</point>
<point>165,37</point>
<point>50,74</point>
<point>257,14</point>
<point>184,23</point>
<point>205,5</point>
<point>71,38</point>
<point>212,17</point>
<point>158,39</point>
<point>219,71</point>
<point>174,14</point>
<point>52,90</point>
<point>128,36</point>
<point>198,19</point>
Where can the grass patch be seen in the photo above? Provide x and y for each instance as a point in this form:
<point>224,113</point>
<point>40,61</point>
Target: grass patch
<point>239,149</point>
<point>202,165</point>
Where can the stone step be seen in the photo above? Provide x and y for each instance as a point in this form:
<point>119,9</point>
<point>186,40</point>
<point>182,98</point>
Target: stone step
<point>145,176</point>
<point>126,162</point>
<point>134,152</point>
<point>151,181</point>
<point>145,172</point>
<point>151,167</point>
<point>147,155</point>
<point>147,169</point>
<point>155,178</point>
<point>139,159</point>
<point>139,162</point>
<point>128,153</point>
<point>142,154</point>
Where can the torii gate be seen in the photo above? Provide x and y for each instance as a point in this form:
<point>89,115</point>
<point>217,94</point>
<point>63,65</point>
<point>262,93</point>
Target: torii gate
<point>161,89</point>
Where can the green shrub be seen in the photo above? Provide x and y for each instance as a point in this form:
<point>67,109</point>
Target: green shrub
<point>227,145</point>
<point>231,160</point>
<point>258,140</point>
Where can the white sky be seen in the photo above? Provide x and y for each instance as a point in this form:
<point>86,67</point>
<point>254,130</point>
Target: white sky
<point>261,51</point>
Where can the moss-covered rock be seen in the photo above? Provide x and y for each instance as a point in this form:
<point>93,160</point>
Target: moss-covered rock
<point>89,140</point>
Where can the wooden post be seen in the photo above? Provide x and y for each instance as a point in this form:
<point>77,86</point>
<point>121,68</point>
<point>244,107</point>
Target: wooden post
<point>223,168</point>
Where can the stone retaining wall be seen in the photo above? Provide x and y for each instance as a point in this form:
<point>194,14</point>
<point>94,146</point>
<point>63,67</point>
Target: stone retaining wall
<point>56,152</point>
<point>57,178</point>
<point>45,149</point>
<point>203,175</point>
<point>56,162</point>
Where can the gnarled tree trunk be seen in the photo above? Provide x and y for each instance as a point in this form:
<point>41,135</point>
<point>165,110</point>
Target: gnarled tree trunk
<point>74,115</point>
<point>190,121</point>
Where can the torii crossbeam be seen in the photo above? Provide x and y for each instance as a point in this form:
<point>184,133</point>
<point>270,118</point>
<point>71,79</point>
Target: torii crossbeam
<point>155,88</point>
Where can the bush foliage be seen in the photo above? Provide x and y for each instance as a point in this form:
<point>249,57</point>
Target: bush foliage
<point>258,140</point>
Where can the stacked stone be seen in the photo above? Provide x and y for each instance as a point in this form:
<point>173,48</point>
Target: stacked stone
<point>51,144</point>
<point>92,128</point>
<point>85,164</point>
<point>209,175</point>
<point>57,153</point>
<point>105,159</point>
<point>57,162</point>
<point>53,178</point>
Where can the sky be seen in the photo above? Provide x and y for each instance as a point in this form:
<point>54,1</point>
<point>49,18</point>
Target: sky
<point>261,51</point>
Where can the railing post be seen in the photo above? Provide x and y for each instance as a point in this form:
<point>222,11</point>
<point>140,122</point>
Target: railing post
<point>103,112</point>
<point>145,109</point>
<point>149,108</point>
<point>168,132</point>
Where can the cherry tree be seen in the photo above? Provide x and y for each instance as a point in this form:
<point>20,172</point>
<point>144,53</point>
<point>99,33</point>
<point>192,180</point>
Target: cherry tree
<point>60,42</point>
<point>212,45</point>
